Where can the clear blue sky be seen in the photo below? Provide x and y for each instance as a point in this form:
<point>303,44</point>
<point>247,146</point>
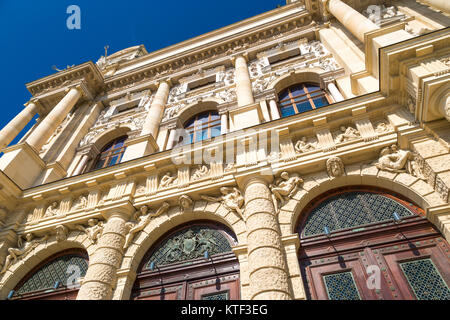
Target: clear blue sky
<point>34,35</point>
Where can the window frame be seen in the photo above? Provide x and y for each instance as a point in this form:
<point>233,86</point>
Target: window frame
<point>108,152</point>
<point>194,130</point>
<point>305,97</point>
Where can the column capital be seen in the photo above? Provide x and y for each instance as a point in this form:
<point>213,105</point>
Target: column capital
<point>167,80</point>
<point>37,103</point>
<point>82,88</point>
<point>235,56</point>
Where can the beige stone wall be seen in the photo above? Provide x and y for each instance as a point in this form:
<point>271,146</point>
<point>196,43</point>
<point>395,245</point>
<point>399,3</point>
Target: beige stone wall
<point>395,95</point>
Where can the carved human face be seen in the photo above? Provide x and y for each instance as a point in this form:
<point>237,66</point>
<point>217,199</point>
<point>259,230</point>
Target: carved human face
<point>342,128</point>
<point>91,222</point>
<point>394,148</point>
<point>285,175</point>
<point>29,237</point>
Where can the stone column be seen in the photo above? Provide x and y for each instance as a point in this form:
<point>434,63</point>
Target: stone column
<point>171,140</point>
<point>16,125</point>
<point>46,128</point>
<point>101,275</point>
<point>224,123</point>
<point>84,159</point>
<point>444,108</point>
<point>156,112</point>
<point>337,96</point>
<point>443,5</point>
<point>274,112</point>
<point>268,274</point>
<point>352,20</point>
<point>244,90</point>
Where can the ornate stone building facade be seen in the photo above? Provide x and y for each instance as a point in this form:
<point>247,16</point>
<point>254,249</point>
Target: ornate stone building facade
<point>300,154</point>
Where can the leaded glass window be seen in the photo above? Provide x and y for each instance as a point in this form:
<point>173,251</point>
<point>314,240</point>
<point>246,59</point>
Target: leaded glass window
<point>341,286</point>
<point>57,270</point>
<point>188,244</point>
<point>216,296</point>
<point>425,280</point>
<point>352,209</point>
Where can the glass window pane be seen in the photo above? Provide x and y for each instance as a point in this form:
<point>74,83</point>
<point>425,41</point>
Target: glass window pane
<point>287,111</point>
<point>215,132</point>
<point>100,164</point>
<point>312,87</point>
<point>320,102</point>
<point>113,161</point>
<point>297,90</point>
<point>304,106</point>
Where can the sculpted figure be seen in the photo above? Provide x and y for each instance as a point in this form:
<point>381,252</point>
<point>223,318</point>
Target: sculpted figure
<point>303,145</point>
<point>414,168</point>
<point>335,167</point>
<point>52,210</point>
<point>61,233</point>
<point>22,249</point>
<point>285,187</point>
<point>141,220</point>
<point>200,172</point>
<point>81,203</point>
<point>347,134</point>
<point>393,159</point>
<point>382,127</point>
<point>185,202</point>
<point>94,231</point>
<point>167,180</point>
<point>231,198</point>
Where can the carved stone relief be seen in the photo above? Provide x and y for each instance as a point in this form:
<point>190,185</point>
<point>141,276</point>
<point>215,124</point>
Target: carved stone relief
<point>335,167</point>
<point>284,188</point>
<point>231,199</point>
<point>347,134</point>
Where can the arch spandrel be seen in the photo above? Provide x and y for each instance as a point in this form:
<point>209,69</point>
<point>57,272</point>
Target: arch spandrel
<point>202,211</point>
<point>317,184</point>
<point>17,271</point>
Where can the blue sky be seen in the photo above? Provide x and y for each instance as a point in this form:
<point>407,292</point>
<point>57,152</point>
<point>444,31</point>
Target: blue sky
<point>34,35</point>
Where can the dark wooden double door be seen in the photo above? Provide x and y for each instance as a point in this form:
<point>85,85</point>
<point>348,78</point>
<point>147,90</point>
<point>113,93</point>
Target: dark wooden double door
<point>197,280</point>
<point>404,261</point>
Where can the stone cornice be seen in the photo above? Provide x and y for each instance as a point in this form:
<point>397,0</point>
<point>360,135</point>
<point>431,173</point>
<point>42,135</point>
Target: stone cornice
<point>235,44</point>
<point>88,72</point>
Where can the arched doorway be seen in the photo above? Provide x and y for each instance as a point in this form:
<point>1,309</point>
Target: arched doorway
<point>361,243</point>
<point>177,267</point>
<point>56,278</point>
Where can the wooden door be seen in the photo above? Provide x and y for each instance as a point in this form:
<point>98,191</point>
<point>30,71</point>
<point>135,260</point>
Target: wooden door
<point>411,262</point>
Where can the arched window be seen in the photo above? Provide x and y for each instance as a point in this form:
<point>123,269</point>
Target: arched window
<point>192,262</point>
<point>203,126</point>
<point>362,243</point>
<point>353,210</point>
<point>111,154</point>
<point>302,97</point>
<point>53,279</point>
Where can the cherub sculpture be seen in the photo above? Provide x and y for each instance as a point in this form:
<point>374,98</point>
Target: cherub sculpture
<point>141,219</point>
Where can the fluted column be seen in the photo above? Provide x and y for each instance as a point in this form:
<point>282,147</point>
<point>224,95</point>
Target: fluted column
<point>101,275</point>
<point>46,128</point>
<point>156,112</point>
<point>337,96</point>
<point>352,20</point>
<point>267,264</point>
<point>16,125</point>
<point>244,90</point>
<point>443,5</point>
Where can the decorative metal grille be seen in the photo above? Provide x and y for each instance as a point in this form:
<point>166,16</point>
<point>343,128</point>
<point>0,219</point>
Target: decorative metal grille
<point>350,210</point>
<point>425,280</point>
<point>188,244</point>
<point>59,269</point>
<point>216,296</point>
<point>341,286</point>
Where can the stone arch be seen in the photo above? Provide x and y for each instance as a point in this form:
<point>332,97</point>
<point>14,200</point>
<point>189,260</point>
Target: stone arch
<point>300,76</point>
<point>202,211</point>
<point>107,136</point>
<point>16,272</point>
<point>195,108</point>
<point>316,184</point>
